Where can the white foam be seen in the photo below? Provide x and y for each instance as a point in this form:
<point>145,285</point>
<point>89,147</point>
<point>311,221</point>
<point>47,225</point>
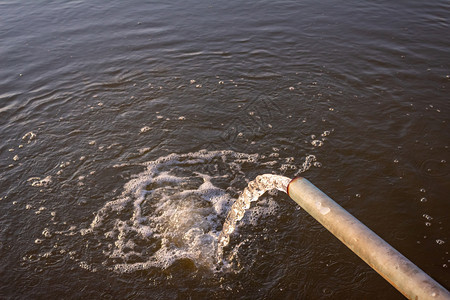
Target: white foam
<point>317,143</point>
<point>29,136</point>
<point>175,209</point>
<point>44,182</point>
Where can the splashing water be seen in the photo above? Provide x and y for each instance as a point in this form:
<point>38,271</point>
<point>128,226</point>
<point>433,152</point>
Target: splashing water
<point>252,192</point>
<point>171,211</point>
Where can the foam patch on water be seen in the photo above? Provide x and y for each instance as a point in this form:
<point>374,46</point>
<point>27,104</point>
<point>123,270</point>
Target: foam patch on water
<point>173,210</point>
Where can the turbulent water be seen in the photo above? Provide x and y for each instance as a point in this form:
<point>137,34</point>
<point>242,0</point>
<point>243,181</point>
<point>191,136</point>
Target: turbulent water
<point>171,211</point>
<point>130,128</point>
<point>174,210</point>
<point>252,192</point>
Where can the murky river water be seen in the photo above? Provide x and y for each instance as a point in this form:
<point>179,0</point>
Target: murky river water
<point>128,128</point>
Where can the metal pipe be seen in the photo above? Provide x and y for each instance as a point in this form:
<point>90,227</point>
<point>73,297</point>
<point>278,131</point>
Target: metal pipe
<point>406,277</point>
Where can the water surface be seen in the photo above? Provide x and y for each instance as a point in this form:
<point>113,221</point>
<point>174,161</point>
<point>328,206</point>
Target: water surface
<point>153,116</point>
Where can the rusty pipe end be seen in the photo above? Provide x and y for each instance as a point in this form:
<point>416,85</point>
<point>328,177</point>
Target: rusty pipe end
<point>295,179</point>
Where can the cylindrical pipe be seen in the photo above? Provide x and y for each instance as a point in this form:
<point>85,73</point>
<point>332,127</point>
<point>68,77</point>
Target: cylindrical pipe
<point>406,277</point>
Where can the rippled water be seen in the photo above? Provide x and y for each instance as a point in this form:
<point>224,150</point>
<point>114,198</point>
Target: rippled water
<point>128,129</point>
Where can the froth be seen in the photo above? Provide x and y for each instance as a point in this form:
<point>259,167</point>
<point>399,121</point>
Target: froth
<point>176,207</point>
<point>172,210</point>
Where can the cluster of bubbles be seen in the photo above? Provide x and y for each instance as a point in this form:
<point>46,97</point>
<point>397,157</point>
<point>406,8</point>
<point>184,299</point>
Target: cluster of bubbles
<point>175,210</point>
<point>27,138</point>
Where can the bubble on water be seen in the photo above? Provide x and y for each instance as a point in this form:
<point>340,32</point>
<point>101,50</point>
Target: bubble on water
<point>41,183</point>
<point>285,167</point>
<point>64,164</point>
<point>41,209</point>
<point>440,242</point>
<point>46,233</point>
<point>423,200</point>
<point>427,217</point>
<point>306,164</point>
<point>46,254</point>
<point>326,291</point>
<point>317,143</point>
<point>86,266</point>
<point>145,129</point>
<point>29,136</point>
<point>325,133</point>
<point>422,190</point>
<point>289,160</point>
<point>291,88</point>
<point>264,209</point>
<point>16,157</point>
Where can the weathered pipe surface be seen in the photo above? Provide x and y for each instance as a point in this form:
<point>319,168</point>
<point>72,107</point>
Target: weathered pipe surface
<point>406,277</point>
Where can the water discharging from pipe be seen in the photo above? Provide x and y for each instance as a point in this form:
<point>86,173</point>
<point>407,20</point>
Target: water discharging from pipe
<point>252,192</point>
<point>255,188</point>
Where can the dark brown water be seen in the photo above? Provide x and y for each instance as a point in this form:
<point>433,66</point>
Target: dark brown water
<point>96,96</point>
